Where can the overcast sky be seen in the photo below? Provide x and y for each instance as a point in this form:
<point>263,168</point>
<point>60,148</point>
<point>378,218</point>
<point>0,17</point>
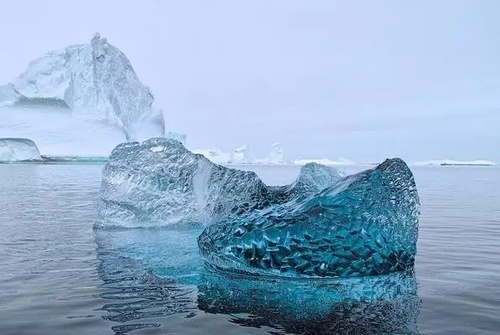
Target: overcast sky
<point>360,79</point>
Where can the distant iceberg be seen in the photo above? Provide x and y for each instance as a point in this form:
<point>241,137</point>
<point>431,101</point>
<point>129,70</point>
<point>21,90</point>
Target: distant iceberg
<point>275,156</point>
<point>214,155</point>
<point>80,100</point>
<point>241,155</point>
<point>324,161</point>
<point>450,162</point>
<point>18,150</point>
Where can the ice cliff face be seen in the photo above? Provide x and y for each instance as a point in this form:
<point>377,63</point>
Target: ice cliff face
<point>18,150</point>
<point>91,83</point>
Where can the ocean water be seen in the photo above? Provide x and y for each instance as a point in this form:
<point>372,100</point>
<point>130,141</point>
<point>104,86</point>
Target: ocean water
<point>59,276</point>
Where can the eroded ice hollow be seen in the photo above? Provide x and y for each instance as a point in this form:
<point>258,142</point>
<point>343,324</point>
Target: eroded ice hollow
<point>322,225</point>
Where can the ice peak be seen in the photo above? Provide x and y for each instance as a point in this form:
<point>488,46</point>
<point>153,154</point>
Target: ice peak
<point>96,81</point>
<point>98,46</point>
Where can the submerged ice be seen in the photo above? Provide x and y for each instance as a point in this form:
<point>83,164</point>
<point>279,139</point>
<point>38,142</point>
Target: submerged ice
<point>322,225</point>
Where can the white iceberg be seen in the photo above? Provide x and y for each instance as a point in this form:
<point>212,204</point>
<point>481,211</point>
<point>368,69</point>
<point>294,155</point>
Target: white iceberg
<point>241,155</point>
<point>83,100</point>
<point>276,155</point>
<point>450,162</point>
<point>325,161</point>
<point>18,150</point>
<point>214,155</point>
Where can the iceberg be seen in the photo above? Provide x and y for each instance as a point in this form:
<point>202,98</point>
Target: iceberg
<point>161,183</point>
<point>18,150</point>
<point>214,155</point>
<point>365,224</point>
<point>241,155</point>
<point>86,97</point>
<point>275,156</point>
<point>325,161</point>
<point>322,225</point>
<point>450,162</point>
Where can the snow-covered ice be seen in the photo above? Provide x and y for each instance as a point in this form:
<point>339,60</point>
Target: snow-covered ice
<point>18,150</point>
<point>80,100</point>
<point>242,155</point>
<point>324,161</point>
<point>275,156</point>
<point>215,155</point>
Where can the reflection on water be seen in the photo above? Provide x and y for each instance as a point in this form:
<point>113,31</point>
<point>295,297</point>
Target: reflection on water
<point>150,274</point>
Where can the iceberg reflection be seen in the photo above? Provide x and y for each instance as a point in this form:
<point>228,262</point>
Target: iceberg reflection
<point>151,274</point>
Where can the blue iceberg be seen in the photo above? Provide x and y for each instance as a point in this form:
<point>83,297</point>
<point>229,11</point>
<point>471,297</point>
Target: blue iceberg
<point>322,225</point>
<point>160,183</point>
<point>365,224</point>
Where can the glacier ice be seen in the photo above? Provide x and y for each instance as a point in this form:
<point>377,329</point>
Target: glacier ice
<point>78,94</point>
<point>365,224</point>
<point>214,155</point>
<point>241,155</point>
<point>325,161</point>
<point>276,155</point>
<point>161,183</point>
<point>321,225</point>
<point>18,150</point>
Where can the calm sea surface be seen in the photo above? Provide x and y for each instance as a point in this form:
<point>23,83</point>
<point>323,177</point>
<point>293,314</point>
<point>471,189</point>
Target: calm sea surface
<point>59,276</point>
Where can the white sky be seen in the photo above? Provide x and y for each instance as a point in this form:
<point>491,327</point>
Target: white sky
<point>360,79</point>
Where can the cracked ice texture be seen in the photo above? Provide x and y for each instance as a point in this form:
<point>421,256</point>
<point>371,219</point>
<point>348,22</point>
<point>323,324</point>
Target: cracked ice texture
<point>365,224</point>
<point>161,183</point>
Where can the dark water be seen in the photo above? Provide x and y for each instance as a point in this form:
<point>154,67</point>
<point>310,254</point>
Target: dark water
<point>58,276</point>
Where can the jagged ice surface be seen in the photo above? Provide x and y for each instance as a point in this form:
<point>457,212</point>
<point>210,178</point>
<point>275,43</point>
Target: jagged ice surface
<point>161,183</point>
<point>77,94</point>
<point>321,225</point>
<point>365,224</point>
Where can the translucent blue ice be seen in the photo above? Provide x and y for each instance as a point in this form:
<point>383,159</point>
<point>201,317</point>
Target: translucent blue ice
<point>364,225</point>
<point>160,183</point>
<point>322,225</point>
